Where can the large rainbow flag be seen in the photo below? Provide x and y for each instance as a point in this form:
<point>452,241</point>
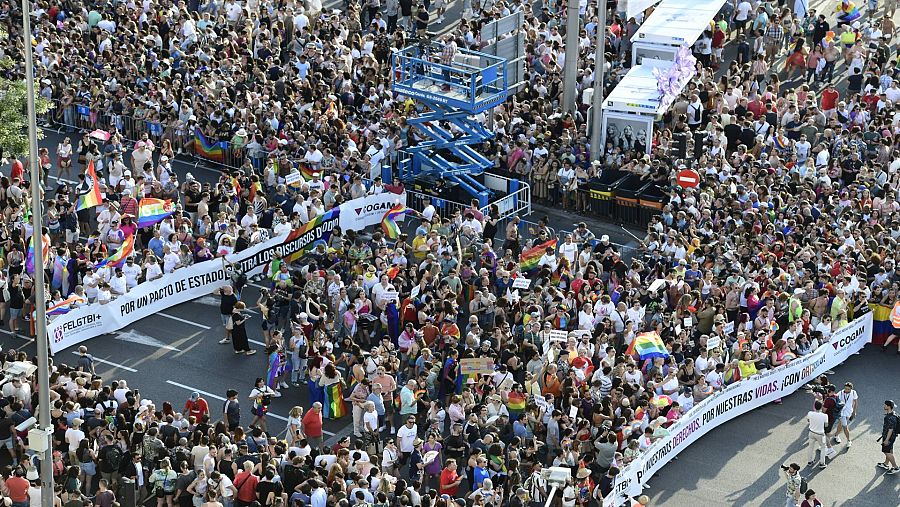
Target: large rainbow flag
<point>118,257</point>
<point>92,196</point>
<point>308,226</point>
<point>389,221</point>
<point>206,149</point>
<point>306,171</point>
<point>60,273</point>
<point>29,256</point>
<point>648,345</point>
<point>529,259</point>
<point>151,211</point>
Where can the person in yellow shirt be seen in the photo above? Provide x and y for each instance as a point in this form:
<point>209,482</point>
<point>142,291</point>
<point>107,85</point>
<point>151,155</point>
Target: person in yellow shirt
<point>747,364</point>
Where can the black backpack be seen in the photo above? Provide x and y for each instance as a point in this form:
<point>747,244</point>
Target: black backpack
<point>114,457</point>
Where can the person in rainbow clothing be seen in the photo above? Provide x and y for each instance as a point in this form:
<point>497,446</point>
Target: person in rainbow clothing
<point>848,13</point>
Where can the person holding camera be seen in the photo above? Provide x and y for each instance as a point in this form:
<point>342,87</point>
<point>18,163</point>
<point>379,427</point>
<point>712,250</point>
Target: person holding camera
<point>793,485</point>
<point>848,399</point>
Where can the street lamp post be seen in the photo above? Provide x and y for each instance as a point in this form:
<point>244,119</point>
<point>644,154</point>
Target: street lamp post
<point>570,65</point>
<point>40,290</point>
<point>599,72</point>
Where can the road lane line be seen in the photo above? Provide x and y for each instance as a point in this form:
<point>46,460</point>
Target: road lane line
<point>117,365</point>
<point>179,319</point>
<point>220,398</point>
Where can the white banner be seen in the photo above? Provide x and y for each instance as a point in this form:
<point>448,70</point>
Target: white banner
<point>737,399</point>
<point>357,214</point>
<point>178,287</point>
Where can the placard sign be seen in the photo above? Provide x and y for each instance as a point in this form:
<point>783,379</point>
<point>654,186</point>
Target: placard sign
<point>713,342</point>
<point>521,283</point>
<point>476,366</point>
<point>558,335</point>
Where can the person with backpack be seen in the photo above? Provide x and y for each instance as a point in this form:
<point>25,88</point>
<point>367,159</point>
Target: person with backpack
<point>110,460</point>
<point>794,485</point>
<point>162,481</point>
<point>888,436</point>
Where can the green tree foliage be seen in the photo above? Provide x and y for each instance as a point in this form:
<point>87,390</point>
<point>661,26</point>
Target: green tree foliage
<point>13,109</point>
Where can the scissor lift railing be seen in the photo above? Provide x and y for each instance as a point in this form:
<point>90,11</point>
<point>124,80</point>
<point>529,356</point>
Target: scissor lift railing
<point>472,83</point>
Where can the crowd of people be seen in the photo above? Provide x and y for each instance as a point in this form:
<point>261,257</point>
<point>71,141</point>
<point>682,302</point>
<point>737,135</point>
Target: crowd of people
<point>791,233</point>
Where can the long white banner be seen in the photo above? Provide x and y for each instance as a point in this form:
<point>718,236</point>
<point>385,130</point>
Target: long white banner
<point>180,286</point>
<point>357,214</point>
<point>737,399</point>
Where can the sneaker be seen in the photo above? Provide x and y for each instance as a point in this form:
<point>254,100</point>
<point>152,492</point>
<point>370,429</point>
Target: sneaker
<point>237,351</point>
<point>892,471</point>
<point>829,372</point>
<point>276,394</point>
<point>837,440</point>
<point>822,465</point>
<point>882,465</point>
<point>223,341</point>
<point>830,453</point>
<point>810,463</point>
<point>849,444</point>
<point>284,385</point>
<point>251,352</point>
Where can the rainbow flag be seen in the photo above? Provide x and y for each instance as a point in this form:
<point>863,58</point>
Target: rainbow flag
<point>206,149</point>
<point>153,211</point>
<point>60,273</point>
<point>648,345</point>
<point>306,171</point>
<point>529,259</point>
<point>92,196</point>
<point>308,226</point>
<point>515,401</point>
<point>389,221</point>
<point>334,406</point>
<point>29,256</point>
<point>236,185</point>
<point>118,257</point>
<point>63,307</point>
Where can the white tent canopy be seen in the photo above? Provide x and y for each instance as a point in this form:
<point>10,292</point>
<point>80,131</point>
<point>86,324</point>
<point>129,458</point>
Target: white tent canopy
<point>638,91</point>
<point>678,22</point>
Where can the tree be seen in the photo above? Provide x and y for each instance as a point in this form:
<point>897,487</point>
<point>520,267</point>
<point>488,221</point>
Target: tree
<point>13,109</point>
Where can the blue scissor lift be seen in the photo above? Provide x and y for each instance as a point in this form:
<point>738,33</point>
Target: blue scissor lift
<point>472,83</point>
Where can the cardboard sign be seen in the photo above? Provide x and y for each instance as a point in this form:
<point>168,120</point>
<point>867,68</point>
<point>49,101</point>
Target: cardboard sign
<point>476,366</point>
<point>558,335</point>
<point>293,179</point>
<point>688,322</point>
<point>713,342</point>
<point>390,295</point>
<point>521,283</point>
<point>729,328</point>
<point>579,333</point>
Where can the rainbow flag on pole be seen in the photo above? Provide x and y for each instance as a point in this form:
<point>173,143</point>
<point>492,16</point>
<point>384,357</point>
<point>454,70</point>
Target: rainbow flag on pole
<point>529,259</point>
<point>648,345</point>
<point>92,196</point>
<point>152,211</point>
<point>334,405</point>
<point>389,221</point>
<point>64,306</point>
<point>118,257</point>
<point>29,256</point>
<point>206,149</point>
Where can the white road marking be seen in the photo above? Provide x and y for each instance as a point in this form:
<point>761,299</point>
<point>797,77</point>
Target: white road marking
<point>117,365</point>
<point>133,336</point>
<point>179,319</point>
<point>220,398</point>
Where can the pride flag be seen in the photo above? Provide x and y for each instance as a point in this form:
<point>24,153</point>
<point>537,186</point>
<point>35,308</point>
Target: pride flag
<point>151,211</point>
<point>60,273</point>
<point>529,259</point>
<point>29,256</point>
<point>334,405</point>
<point>312,224</point>
<point>515,401</point>
<point>648,345</point>
<point>63,307</point>
<point>91,197</point>
<point>389,221</point>
<point>306,171</point>
<point>206,149</point>
<point>118,257</point>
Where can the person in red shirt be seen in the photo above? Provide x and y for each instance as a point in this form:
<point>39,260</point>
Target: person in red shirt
<point>830,98</point>
<point>17,171</point>
<point>18,489</point>
<point>196,406</point>
<point>246,483</point>
<point>312,426</point>
<point>450,480</point>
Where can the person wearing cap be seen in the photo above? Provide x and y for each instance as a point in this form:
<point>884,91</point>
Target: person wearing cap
<point>196,406</point>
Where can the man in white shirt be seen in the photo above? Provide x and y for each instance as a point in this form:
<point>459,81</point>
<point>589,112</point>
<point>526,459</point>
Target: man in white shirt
<point>132,273</point>
<point>407,435</point>
<point>319,497</point>
<point>569,250</point>
<point>117,284</point>
<point>849,399</point>
<point>816,437</point>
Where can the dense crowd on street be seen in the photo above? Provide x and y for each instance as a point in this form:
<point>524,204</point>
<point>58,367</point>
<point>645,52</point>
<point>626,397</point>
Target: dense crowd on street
<point>791,233</point>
